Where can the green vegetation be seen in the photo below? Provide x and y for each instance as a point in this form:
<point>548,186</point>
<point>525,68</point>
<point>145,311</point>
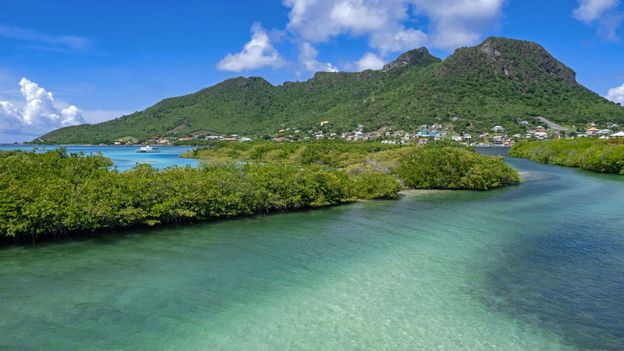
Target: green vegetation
<point>434,166</point>
<point>56,194</point>
<point>495,83</point>
<point>587,153</point>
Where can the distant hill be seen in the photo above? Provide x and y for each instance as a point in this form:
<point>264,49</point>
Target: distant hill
<point>497,82</point>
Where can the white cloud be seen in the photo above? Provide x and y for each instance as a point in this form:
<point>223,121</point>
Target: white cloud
<point>616,95</point>
<point>64,41</point>
<point>456,23</point>
<point>370,61</point>
<point>603,12</point>
<point>307,58</point>
<point>318,21</point>
<point>258,52</point>
<point>402,39</point>
<point>453,22</point>
<point>9,117</point>
<point>591,10</point>
<point>39,113</point>
<point>389,26</point>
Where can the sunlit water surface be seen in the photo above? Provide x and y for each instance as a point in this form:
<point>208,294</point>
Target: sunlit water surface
<point>123,157</point>
<point>539,266</point>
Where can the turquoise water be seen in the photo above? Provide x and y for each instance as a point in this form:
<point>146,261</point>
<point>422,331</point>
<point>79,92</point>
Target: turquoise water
<point>123,157</point>
<point>534,267</point>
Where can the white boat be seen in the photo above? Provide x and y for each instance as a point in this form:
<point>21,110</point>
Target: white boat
<point>147,149</point>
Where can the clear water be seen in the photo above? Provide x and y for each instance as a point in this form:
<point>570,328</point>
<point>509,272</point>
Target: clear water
<point>123,157</point>
<point>534,267</point>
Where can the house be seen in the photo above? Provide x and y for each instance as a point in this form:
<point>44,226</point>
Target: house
<point>436,126</point>
<point>618,135</point>
<point>399,133</point>
<point>592,131</point>
<point>324,123</point>
<point>358,136</point>
<point>498,140</point>
<point>498,129</point>
<point>541,135</point>
<point>540,129</point>
<point>245,139</point>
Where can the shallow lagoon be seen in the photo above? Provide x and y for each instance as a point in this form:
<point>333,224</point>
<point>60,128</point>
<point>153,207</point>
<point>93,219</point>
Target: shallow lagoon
<point>123,157</point>
<point>539,266</point>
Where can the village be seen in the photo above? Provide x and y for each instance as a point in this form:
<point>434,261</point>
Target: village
<point>539,128</point>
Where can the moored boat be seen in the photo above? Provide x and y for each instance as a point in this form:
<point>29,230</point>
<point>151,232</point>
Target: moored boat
<point>148,149</point>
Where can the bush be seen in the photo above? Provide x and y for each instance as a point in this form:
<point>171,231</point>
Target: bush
<point>588,153</point>
<point>55,193</point>
<point>446,167</point>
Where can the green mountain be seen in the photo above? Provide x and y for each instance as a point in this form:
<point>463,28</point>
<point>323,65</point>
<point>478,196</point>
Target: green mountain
<point>497,82</point>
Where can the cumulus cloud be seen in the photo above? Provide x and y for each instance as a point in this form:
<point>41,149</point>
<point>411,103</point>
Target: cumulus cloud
<point>9,117</point>
<point>38,114</point>
<point>453,23</point>
<point>456,23</point>
<point>389,26</point>
<point>591,10</point>
<point>258,52</point>
<point>603,12</point>
<point>370,61</point>
<point>318,21</point>
<point>616,95</point>
<point>307,57</point>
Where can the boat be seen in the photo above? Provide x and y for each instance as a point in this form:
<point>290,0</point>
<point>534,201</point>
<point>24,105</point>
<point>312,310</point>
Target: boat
<point>148,149</point>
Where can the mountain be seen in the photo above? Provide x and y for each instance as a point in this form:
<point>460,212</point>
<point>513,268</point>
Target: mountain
<point>497,82</point>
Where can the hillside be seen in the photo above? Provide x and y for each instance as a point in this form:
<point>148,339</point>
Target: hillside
<point>496,82</point>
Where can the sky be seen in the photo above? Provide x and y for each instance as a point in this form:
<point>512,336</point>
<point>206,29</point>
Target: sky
<point>64,63</point>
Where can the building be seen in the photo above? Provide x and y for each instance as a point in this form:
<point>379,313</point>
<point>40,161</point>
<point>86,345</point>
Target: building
<point>498,129</point>
<point>618,136</point>
<point>592,131</point>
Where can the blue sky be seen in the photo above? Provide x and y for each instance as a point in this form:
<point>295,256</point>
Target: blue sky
<point>69,62</point>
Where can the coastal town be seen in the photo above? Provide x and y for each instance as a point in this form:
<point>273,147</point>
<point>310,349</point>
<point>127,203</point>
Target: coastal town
<point>537,128</point>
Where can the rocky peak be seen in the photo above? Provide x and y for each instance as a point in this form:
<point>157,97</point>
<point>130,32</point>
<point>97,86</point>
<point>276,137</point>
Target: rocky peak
<point>416,57</point>
<point>515,59</point>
